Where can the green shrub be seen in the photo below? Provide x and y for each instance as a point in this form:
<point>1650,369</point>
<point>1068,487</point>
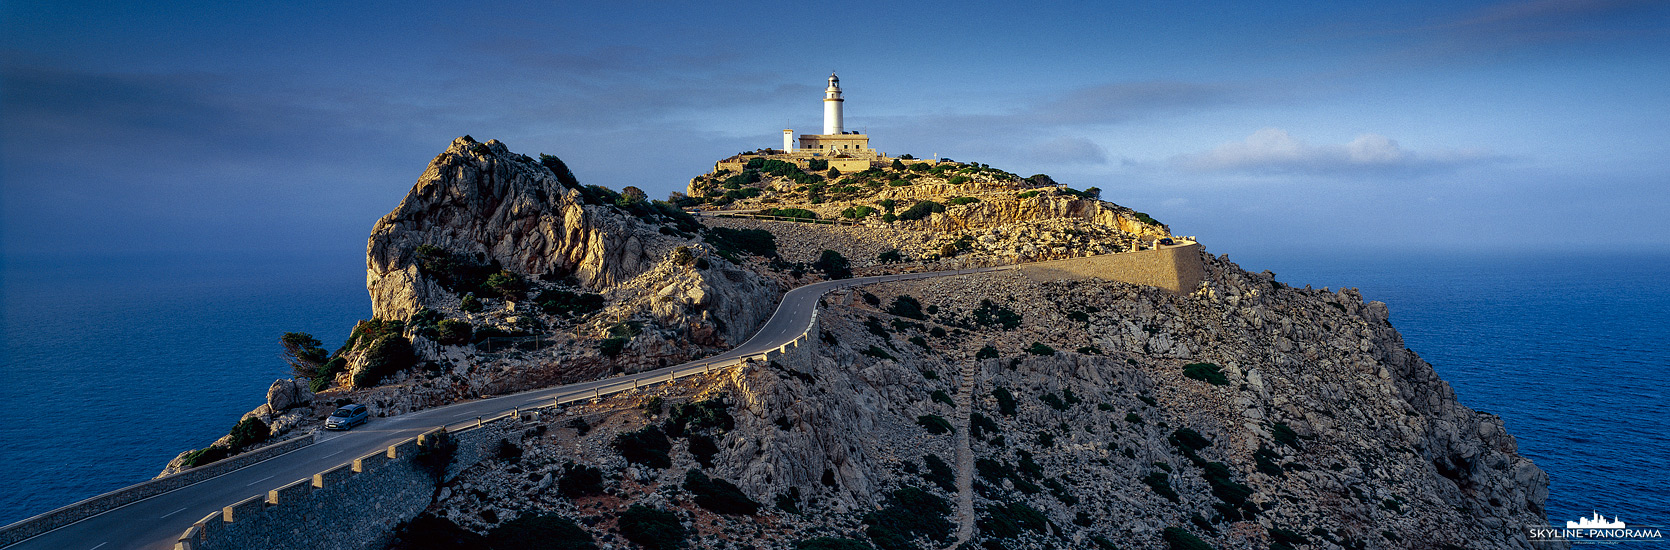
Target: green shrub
<point>877,352</point>
<point>889,217</point>
<point>907,306</point>
<point>817,164</point>
<point>939,473</point>
<point>1207,372</point>
<point>559,169</point>
<point>613,346</point>
<point>304,353</point>
<point>718,495</point>
<point>1178,539</point>
<point>204,456</point>
<point>792,213</point>
<point>1038,348</point>
<point>387,355</point>
<point>830,543</point>
<point>1005,401</point>
<point>1090,350</point>
<point>921,210</point>
<point>249,432</point>
<point>890,256</point>
<point>652,528</point>
<point>959,201</point>
<point>540,532</point>
<point>940,396</point>
<point>1144,218</point>
<point>935,424</point>
<point>909,512</point>
<point>1009,521</point>
<point>469,304</point>
<point>453,332</point>
<point>704,448</point>
<point>959,180</point>
<point>921,167</point>
<point>1161,484</point>
<point>1285,435</point>
<point>579,480</point>
<point>833,264</point>
<point>563,302</point>
<point>990,314</point>
<point>898,165</point>
<point>1027,194</point>
<point>758,242</point>
<point>979,425</point>
<point>1053,401</point>
<point>708,415</point>
<point>457,273</point>
<point>987,352</point>
<point>647,446</point>
<point>505,284</point>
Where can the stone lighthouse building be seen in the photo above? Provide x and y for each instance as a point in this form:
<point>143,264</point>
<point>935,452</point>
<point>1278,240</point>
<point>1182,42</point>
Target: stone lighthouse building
<point>835,140</point>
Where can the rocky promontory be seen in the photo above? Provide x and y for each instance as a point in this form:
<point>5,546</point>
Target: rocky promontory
<point>975,411</point>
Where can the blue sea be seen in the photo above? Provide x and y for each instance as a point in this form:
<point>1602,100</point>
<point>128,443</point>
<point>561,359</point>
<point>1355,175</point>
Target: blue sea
<point>114,365</point>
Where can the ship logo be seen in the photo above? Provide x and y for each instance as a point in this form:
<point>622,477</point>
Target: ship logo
<point>1596,522</point>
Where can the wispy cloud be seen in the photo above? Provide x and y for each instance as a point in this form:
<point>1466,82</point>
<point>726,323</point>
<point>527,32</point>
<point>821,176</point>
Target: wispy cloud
<point>1274,151</point>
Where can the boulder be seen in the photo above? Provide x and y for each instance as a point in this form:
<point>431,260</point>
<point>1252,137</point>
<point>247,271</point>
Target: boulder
<point>286,393</point>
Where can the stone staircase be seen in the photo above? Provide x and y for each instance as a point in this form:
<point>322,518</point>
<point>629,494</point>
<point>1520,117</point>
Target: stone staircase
<point>965,457</point>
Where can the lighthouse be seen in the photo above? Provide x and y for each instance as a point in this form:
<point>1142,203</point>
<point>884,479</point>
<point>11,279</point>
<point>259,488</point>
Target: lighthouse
<point>832,106</point>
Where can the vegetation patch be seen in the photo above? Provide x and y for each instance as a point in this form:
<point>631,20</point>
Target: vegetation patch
<point>939,473</point>
<point>563,302</point>
<point>934,423</point>
<point>718,495</point>
<point>832,543</point>
<point>647,446</point>
<point>907,306</point>
<point>652,528</point>
<point>1206,372</point>
<point>1176,538</point>
<point>758,242</point>
<point>540,532</point>
<point>579,480</point>
<point>1010,520</point>
<point>990,314</point>
<point>1039,348</point>
<point>909,513</point>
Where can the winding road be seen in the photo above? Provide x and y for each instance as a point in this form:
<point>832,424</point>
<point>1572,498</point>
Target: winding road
<point>156,522</point>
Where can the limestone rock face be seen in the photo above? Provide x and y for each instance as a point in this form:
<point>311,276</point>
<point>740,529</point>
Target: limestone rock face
<point>481,200</point>
<point>286,393</point>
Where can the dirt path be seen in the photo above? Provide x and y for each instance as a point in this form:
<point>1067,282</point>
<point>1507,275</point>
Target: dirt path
<point>965,457</point>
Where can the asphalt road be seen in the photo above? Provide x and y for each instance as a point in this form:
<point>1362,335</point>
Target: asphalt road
<point>157,522</point>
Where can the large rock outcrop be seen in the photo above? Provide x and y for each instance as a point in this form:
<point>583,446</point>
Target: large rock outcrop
<point>481,200</point>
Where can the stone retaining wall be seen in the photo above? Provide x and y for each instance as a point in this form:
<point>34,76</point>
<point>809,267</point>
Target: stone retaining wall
<point>25,529</point>
<point>353,505</point>
<point>1175,268</point>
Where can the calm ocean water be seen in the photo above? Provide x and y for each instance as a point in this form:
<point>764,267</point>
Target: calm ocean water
<point>113,366</point>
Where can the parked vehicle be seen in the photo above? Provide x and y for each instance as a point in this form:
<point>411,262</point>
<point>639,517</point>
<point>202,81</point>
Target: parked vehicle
<point>347,417</point>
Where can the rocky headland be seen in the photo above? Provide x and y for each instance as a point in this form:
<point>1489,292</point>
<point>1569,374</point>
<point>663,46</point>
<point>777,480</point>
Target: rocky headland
<point>975,411</point>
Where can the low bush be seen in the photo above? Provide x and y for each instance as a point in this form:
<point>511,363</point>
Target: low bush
<point>1177,538</point>
<point>1009,521</point>
<point>877,352</point>
<point>979,425</point>
<point>934,423</point>
<point>833,265</point>
<point>939,473</point>
<point>986,352</point>
<point>709,415</point>
<point>453,332</point>
<point>907,306</point>
<point>758,242</point>
<point>1161,484</point>
<point>959,201</point>
<point>939,396</point>
<point>1206,372</point>
<point>792,213</point>
<point>652,528</point>
<point>921,210</point>
<point>647,446</point>
<point>563,302</point>
<point>989,314</point>
<point>540,532</point>
<point>910,512</point>
<point>1005,401</point>
<point>718,495</point>
<point>579,480</point>
<point>387,355</point>
<point>1038,348</point>
<point>704,448</point>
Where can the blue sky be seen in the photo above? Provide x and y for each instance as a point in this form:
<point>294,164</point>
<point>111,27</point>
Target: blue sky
<point>171,127</point>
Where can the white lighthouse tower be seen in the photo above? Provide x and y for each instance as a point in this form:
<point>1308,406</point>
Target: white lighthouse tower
<point>832,106</point>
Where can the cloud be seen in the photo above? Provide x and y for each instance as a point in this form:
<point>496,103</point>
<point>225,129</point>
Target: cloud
<point>1274,151</point>
<point>1069,150</point>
